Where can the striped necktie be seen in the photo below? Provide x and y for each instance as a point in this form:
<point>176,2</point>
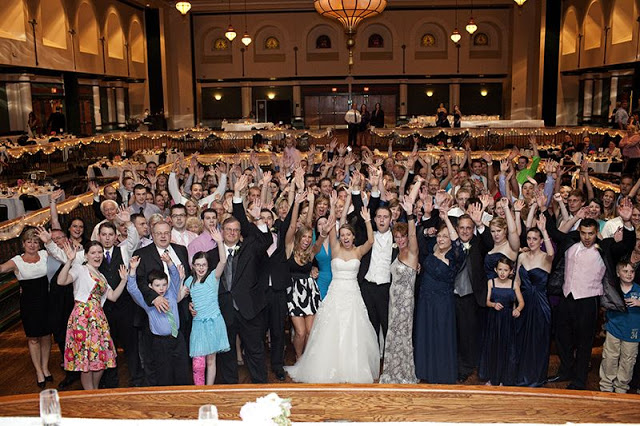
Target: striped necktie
<point>172,323</point>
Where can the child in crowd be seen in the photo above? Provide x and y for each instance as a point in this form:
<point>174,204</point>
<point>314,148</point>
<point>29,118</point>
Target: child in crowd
<point>620,348</point>
<point>498,360</point>
<point>169,362</point>
<point>208,332</point>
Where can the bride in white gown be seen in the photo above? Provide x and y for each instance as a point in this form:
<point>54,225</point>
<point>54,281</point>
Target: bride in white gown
<point>342,346</point>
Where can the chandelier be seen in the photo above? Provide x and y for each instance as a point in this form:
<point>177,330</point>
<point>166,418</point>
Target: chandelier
<point>231,33</point>
<point>183,7</point>
<point>471,25</point>
<point>349,13</point>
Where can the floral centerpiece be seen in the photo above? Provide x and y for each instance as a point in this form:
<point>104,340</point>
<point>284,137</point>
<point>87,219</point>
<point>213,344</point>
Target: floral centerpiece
<point>270,410</point>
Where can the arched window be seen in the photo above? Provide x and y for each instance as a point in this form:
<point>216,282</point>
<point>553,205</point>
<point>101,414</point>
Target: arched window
<point>428,40</point>
<point>87,28</point>
<point>12,20</point>
<point>570,33</point>
<point>480,39</point>
<point>136,42</point>
<point>593,27</point>
<point>375,41</point>
<point>221,43</point>
<point>271,43</point>
<point>54,28</point>
<point>622,21</point>
<point>323,42</point>
<point>115,40</point>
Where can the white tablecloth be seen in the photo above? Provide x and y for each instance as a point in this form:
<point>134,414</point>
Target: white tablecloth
<point>502,123</point>
<point>16,208</point>
<point>244,127</point>
<point>172,157</point>
<point>110,169</point>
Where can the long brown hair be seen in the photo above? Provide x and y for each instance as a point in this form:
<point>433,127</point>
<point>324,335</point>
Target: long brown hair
<point>302,257</point>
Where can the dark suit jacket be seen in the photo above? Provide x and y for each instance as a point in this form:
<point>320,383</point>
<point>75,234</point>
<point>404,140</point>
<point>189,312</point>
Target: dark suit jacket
<point>276,266</point>
<point>247,290</point>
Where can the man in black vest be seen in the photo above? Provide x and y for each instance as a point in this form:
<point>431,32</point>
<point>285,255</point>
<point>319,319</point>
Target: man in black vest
<point>120,314</point>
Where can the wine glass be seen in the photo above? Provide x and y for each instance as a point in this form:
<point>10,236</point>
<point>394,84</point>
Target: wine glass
<point>50,408</point>
<point>208,415</point>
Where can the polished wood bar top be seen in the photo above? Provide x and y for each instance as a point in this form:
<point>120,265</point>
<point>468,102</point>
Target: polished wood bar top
<point>349,402</point>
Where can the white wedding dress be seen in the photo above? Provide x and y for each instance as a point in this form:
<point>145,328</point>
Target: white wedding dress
<point>342,346</point>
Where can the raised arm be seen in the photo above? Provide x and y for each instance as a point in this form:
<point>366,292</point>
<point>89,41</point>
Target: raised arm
<point>293,226</point>
<point>542,226</point>
<point>324,233</point>
<point>53,208</point>
<point>113,294</point>
<point>364,248</point>
<point>64,277</point>
<point>512,236</point>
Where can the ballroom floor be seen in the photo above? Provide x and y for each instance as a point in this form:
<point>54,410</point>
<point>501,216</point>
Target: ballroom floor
<point>18,377</point>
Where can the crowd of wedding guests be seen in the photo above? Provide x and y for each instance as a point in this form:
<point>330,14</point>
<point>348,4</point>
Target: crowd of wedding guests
<point>462,268</point>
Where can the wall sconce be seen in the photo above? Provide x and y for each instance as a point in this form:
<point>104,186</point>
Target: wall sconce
<point>429,93</point>
<point>334,89</point>
<point>217,96</point>
<point>366,89</point>
<point>484,92</point>
<point>271,95</point>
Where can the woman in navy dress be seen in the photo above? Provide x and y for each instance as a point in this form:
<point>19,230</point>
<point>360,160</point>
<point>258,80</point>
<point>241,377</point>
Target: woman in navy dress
<point>534,325</point>
<point>504,239</point>
<point>435,325</point>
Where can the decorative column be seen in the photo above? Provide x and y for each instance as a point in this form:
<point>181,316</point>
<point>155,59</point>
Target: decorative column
<point>597,98</point>
<point>97,116</point>
<point>403,100</point>
<point>613,94</point>
<point>247,106</point>
<point>454,96</point>
<point>587,99</point>
<point>297,101</point>
<point>120,109</point>
<point>111,105</point>
<point>19,103</point>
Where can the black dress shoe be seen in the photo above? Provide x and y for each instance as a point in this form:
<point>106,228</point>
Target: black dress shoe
<point>48,378</point>
<point>573,386</point>
<point>557,378</point>
<point>279,374</point>
<point>66,382</point>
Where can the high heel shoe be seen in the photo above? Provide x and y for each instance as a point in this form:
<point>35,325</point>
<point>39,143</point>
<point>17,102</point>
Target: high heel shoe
<point>42,384</point>
<point>48,378</point>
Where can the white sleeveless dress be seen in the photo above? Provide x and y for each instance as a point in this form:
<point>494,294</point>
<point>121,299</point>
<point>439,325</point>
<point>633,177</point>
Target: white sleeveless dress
<point>342,346</point>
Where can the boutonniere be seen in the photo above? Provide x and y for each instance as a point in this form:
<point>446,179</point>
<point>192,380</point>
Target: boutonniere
<point>273,229</point>
<point>394,246</point>
<point>235,249</point>
<point>597,246</point>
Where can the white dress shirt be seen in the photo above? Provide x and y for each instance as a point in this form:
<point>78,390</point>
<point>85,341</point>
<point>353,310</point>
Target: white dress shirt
<point>381,253</point>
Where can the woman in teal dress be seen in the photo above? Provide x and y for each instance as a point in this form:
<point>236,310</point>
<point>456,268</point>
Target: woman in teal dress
<point>323,259</point>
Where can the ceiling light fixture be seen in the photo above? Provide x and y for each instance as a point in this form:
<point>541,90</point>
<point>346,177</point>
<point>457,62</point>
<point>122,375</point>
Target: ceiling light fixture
<point>455,34</point>
<point>183,7</point>
<point>231,33</point>
<point>246,38</point>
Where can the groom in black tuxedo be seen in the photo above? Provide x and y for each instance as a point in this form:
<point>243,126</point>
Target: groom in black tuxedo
<point>241,295</point>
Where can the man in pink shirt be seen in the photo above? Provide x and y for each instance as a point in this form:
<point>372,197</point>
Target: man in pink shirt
<point>589,271</point>
<point>630,147</point>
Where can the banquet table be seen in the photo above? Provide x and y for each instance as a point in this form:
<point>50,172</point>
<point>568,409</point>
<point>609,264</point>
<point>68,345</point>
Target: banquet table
<point>111,169</point>
<point>244,126</point>
<point>154,156</point>
<point>502,123</point>
<point>14,205</point>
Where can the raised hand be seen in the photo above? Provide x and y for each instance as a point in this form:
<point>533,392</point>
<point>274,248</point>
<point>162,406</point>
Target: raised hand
<point>123,215</point>
<point>407,205</point>
<point>504,166</point>
<point>93,187</point>
<point>486,200</point>
<point>166,258</point>
<point>300,197</point>
<point>133,263</point>
<point>342,149</point>
<point>487,157</point>
<point>181,272</point>
<point>266,178</point>
<point>625,209</point>
<point>241,183</point>
<point>518,205</point>
<point>69,251</point>
<point>366,216</point>
<point>255,209</point>
<point>216,235</point>
<point>542,223</point>
<point>331,223</point>
<point>123,272</point>
<point>541,200</point>
<point>43,234</point>
<point>475,212</point>
<point>582,213</point>
<point>427,205</point>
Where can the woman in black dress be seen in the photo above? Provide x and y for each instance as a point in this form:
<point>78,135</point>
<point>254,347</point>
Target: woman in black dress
<point>457,116</point>
<point>441,117</point>
<point>377,116</point>
<point>363,129</point>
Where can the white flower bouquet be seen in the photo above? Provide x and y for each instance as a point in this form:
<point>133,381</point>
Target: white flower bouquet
<point>270,410</point>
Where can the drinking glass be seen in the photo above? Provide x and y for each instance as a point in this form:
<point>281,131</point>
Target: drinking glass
<point>50,408</point>
<point>208,415</point>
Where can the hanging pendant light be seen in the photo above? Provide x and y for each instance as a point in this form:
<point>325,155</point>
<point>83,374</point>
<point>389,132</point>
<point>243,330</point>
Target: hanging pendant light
<point>455,36</point>
<point>520,2</point>
<point>183,7</point>
<point>246,38</point>
<point>471,25</point>
<point>231,33</point>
